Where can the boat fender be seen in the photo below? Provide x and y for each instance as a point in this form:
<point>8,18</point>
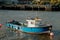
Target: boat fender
<point>0,25</point>
<point>51,35</point>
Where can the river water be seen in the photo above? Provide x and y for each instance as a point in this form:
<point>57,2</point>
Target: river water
<point>47,16</point>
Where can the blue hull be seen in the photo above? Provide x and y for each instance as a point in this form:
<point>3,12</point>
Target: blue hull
<point>29,29</point>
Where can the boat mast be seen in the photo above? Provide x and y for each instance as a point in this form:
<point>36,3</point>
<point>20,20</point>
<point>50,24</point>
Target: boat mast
<point>37,10</point>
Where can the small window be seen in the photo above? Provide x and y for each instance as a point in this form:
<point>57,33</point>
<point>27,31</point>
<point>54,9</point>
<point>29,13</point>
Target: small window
<point>12,26</point>
<point>9,25</point>
<point>32,22</point>
<point>18,28</point>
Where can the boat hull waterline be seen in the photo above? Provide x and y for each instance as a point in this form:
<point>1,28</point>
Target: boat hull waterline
<point>36,30</point>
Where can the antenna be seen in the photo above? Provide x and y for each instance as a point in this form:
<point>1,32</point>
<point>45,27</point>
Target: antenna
<point>37,11</point>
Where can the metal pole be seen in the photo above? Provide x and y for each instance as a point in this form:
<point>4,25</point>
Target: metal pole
<point>27,1</point>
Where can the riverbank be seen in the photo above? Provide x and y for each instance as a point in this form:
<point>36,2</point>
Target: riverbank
<point>30,7</point>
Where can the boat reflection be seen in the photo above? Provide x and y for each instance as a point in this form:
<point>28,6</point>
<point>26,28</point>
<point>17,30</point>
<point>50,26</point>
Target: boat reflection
<point>26,36</point>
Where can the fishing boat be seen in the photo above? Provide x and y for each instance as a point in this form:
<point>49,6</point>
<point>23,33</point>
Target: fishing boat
<point>32,25</point>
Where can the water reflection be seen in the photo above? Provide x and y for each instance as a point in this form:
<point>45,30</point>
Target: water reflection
<point>26,36</point>
<point>13,35</point>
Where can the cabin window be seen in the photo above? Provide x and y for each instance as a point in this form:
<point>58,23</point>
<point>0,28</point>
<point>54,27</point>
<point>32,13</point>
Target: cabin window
<point>32,22</point>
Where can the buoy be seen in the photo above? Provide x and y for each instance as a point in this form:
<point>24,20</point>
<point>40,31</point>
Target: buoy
<point>0,25</point>
<point>51,35</point>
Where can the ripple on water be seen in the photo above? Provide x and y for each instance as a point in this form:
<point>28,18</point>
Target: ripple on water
<point>2,34</point>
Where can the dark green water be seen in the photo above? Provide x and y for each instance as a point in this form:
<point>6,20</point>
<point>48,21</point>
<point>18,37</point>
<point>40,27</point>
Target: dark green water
<point>48,17</point>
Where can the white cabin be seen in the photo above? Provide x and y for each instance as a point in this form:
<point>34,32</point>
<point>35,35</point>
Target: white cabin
<point>33,22</point>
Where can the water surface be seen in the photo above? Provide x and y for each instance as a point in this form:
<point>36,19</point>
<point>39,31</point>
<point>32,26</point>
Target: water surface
<point>48,17</point>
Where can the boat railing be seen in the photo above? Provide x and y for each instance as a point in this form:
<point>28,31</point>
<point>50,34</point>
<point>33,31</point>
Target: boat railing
<point>23,24</point>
